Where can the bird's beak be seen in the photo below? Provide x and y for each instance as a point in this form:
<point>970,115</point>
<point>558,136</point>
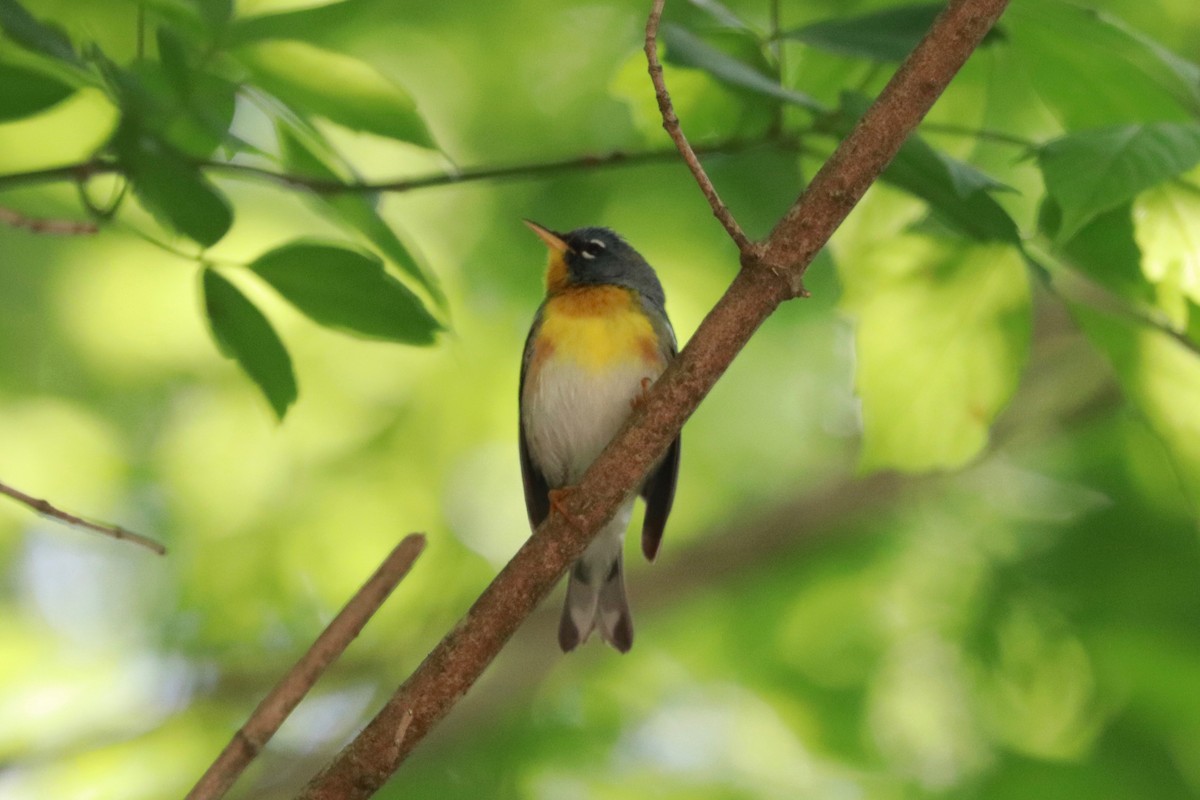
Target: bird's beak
<point>553,240</point>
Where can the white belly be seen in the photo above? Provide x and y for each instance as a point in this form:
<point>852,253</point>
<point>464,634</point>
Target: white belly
<point>571,413</point>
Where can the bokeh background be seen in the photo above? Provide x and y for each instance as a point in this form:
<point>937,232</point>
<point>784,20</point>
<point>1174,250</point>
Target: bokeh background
<point>1027,625</point>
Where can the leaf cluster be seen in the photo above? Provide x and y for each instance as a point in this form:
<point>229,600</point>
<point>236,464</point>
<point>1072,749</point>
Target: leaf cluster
<point>196,66</point>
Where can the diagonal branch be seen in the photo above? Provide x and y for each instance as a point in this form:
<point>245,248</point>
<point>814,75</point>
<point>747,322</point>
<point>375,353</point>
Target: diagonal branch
<point>770,276</point>
<point>673,129</point>
<point>249,741</point>
<point>114,531</point>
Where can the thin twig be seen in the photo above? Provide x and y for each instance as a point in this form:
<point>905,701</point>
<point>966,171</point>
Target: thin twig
<point>52,227</point>
<point>1073,286</point>
<point>673,129</point>
<point>461,657</point>
<point>249,741</point>
<point>983,134</point>
<point>538,169</point>
<point>46,509</point>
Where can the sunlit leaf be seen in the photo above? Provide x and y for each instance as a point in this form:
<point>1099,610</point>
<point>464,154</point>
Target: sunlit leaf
<point>1161,377</point>
<point>25,92</point>
<point>338,87</point>
<point>689,50</point>
<point>347,290</point>
<point>1167,226</point>
<point>244,334</point>
<point>889,34</point>
<point>355,209</point>
<point>303,21</point>
<point>941,334</point>
<point>1092,171</point>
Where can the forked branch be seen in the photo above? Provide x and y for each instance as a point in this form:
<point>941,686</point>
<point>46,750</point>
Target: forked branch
<point>770,276</point>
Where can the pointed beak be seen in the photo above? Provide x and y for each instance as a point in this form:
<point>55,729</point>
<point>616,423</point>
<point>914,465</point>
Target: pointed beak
<point>553,240</point>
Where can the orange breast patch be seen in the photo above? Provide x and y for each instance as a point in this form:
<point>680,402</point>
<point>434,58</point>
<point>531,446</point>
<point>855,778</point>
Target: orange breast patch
<point>596,327</point>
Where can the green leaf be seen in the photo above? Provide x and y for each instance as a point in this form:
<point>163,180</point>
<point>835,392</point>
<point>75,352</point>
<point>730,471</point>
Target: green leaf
<point>347,290</point>
<point>942,332</point>
<point>722,14</point>
<point>1128,76</point>
<point>33,34</point>
<point>886,35</point>
<point>1161,377</point>
<point>957,193</point>
<point>244,334</point>
<point>24,92</point>
<point>688,50</point>
<point>305,23</point>
<point>1193,326</point>
<point>1104,249</point>
<point>338,87</point>
<point>1090,172</point>
<point>172,52</point>
<point>173,190</point>
<point>216,12</point>
<point>1166,223</point>
<point>355,210</point>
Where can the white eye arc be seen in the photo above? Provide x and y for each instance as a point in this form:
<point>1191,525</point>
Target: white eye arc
<point>593,248</point>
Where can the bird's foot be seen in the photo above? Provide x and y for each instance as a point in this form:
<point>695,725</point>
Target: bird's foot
<point>558,504</point>
<point>638,399</point>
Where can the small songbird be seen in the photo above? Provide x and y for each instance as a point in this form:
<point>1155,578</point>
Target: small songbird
<point>599,340</point>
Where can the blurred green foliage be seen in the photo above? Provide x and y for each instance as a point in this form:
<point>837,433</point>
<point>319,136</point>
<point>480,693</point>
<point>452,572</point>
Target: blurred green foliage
<point>936,532</point>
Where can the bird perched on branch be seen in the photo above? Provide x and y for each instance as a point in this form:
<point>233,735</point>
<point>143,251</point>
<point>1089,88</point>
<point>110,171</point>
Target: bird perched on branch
<point>598,341</point>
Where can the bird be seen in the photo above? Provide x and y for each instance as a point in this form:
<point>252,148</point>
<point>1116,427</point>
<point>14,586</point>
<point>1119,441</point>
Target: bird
<point>598,341</point>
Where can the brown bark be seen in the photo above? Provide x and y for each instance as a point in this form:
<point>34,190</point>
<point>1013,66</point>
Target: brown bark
<point>771,273</point>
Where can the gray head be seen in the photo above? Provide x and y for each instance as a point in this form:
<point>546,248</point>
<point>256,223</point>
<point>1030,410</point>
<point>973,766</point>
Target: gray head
<point>598,256</point>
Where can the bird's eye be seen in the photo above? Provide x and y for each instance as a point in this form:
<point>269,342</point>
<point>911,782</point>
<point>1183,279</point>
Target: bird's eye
<point>592,248</point>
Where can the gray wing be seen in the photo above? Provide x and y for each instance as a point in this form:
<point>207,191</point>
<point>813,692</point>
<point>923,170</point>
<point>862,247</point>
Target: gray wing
<point>537,491</point>
<point>659,488</point>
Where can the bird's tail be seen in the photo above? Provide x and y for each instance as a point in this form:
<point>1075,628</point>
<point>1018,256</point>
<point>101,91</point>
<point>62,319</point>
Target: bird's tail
<point>596,600</point>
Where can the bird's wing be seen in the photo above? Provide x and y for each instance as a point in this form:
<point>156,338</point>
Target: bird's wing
<point>537,491</point>
<point>659,488</point>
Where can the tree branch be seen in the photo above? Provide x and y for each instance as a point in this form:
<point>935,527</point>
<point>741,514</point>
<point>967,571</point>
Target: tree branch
<point>44,508</point>
<point>617,158</point>
<point>287,694</point>
<point>54,227</point>
<point>673,129</point>
<point>769,277</point>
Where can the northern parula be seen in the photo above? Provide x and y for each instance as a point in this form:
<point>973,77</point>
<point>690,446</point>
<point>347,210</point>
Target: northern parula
<point>598,341</point>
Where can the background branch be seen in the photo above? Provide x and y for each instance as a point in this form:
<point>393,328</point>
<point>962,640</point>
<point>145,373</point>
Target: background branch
<point>114,531</point>
<point>765,281</point>
<point>287,694</point>
<point>535,169</point>
<point>53,227</point>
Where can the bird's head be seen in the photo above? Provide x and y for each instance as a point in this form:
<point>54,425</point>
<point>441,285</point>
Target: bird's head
<point>596,256</point>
